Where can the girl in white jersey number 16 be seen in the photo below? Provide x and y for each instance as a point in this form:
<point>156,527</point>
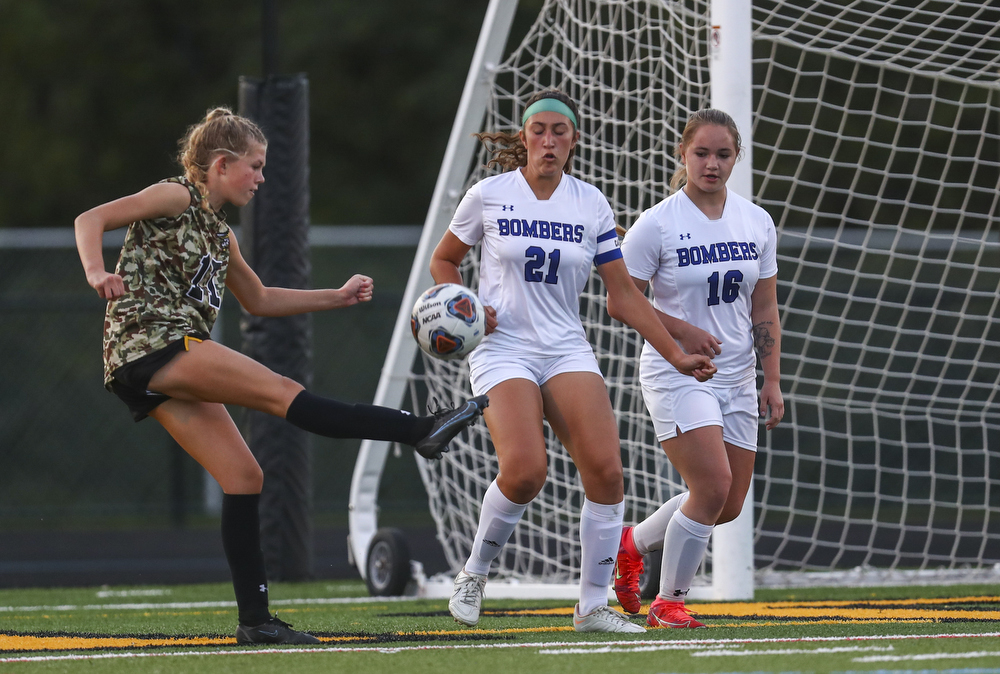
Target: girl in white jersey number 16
<point>542,231</point>
<point>710,257</point>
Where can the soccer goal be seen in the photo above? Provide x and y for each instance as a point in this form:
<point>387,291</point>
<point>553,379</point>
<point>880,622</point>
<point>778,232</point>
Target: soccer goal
<point>872,133</point>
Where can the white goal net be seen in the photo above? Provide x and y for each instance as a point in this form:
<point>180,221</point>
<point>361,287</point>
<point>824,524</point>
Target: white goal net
<point>876,149</point>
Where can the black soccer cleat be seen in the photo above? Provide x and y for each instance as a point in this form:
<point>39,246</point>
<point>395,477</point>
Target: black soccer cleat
<point>274,631</point>
<point>448,424</point>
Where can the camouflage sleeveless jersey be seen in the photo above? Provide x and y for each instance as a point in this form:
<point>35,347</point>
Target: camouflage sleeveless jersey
<point>174,271</point>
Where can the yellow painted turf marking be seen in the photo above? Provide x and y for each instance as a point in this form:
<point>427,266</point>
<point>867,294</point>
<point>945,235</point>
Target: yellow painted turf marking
<point>11,642</point>
<point>875,610</point>
<point>881,611</point>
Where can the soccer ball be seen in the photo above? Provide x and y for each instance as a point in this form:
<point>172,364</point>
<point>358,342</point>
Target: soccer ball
<point>448,321</point>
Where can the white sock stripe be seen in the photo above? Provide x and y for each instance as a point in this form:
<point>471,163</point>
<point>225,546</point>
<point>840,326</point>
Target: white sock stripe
<point>501,503</point>
<point>694,528</point>
<point>648,534</point>
<point>497,520</point>
<point>603,512</point>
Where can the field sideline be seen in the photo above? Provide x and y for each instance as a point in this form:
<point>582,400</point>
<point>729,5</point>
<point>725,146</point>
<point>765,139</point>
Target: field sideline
<point>189,629</point>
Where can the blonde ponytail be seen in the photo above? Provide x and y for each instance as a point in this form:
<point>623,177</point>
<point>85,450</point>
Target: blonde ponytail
<point>221,132</point>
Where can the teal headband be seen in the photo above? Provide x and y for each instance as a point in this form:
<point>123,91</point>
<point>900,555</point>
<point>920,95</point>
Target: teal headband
<point>549,105</point>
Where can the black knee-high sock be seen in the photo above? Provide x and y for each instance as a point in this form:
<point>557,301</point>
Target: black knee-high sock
<point>241,542</point>
<point>334,419</point>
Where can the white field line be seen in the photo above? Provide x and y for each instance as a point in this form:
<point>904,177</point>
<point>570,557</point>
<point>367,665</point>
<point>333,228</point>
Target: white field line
<point>929,656</point>
<point>734,650</point>
<point>177,605</point>
<point>104,594</point>
<point>713,653</point>
<point>598,647</point>
<point>793,651</point>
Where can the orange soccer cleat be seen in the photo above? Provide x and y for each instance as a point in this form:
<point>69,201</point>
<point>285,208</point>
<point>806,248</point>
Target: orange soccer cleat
<point>628,568</point>
<point>663,613</point>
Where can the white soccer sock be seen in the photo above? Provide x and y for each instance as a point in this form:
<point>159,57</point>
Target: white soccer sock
<point>600,533</point>
<point>497,520</point>
<point>648,534</point>
<point>684,546</point>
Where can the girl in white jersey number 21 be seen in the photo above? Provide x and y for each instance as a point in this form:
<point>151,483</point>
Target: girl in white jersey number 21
<point>542,231</point>
<point>710,257</point>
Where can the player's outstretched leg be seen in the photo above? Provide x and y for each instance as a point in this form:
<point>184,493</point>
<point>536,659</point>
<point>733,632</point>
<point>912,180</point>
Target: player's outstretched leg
<point>628,568</point>
<point>467,599</point>
<point>448,424</point>
<point>430,435</point>
<point>663,613</point>
<point>274,631</point>
<point>604,619</point>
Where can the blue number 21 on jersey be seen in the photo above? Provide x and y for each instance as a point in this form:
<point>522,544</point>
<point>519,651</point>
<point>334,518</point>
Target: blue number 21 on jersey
<point>536,259</point>
<point>730,287</point>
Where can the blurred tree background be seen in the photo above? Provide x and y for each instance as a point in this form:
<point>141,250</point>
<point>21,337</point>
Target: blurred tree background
<point>94,95</point>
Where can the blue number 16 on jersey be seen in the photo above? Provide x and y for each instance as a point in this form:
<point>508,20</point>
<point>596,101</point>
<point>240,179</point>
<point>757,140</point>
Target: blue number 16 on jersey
<point>730,287</point>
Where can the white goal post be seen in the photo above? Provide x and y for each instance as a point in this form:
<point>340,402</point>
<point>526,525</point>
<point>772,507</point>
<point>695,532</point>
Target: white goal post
<point>392,386</point>
<point>872,134</point>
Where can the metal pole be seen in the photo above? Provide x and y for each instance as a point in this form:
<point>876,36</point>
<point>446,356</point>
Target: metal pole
<point>731,76</point>
<point>269,38</point>
<point>276,244</point>
<point>362,514</point>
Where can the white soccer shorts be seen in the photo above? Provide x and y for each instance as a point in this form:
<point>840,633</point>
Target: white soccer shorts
<point>695,404</point>
<point>489,369</point>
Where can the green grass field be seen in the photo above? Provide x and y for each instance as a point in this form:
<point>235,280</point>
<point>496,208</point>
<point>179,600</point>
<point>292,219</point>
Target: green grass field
<point>189,629</point>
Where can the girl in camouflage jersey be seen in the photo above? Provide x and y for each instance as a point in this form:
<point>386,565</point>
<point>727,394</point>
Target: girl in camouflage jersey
<point>163,298</point>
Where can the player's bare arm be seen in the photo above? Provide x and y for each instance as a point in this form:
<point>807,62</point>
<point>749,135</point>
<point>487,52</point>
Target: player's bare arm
<point>156,201</point>
<point>691,338</point>
<point>628,305</point>
<point>763,342</point>
<point>445,261</point>
<point>767,344</point>
<point>261,300</point>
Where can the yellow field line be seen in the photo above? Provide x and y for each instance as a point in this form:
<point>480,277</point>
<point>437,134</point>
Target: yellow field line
<point>10,642</point>
<point>867,610</point>
<point>879,611</point>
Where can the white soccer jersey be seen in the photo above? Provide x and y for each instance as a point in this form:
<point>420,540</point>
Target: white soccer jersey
<point>536,258</point>
<point>704,271</point>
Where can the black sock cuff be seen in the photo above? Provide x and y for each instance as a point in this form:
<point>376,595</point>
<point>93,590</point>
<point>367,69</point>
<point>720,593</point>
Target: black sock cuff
<point>334,419</point>
<point>303,406</point>
<point>241,506</point>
